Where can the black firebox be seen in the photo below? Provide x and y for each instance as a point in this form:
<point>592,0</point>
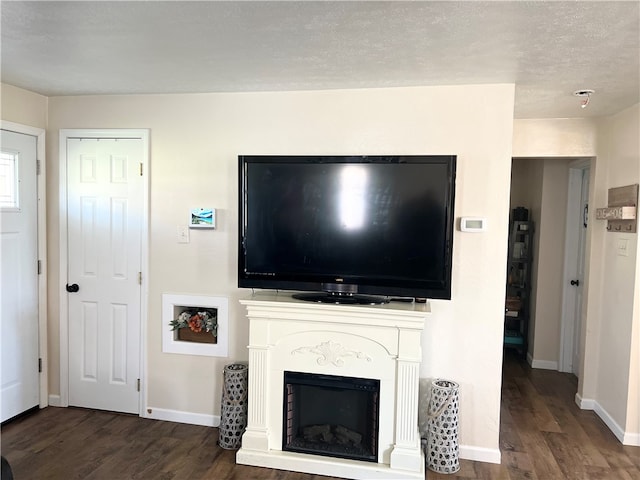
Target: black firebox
<point>331,415</point>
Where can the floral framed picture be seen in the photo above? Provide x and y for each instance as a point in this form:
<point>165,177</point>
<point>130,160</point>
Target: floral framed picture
<point>195,325</point>
<point>202,218</point>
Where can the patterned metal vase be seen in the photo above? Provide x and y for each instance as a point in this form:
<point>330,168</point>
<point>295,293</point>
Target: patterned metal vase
<point>442,440</point>
<point>233,417</point>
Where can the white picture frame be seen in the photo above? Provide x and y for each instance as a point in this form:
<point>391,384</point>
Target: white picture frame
<point>202,217</point>
<point>173,304</point>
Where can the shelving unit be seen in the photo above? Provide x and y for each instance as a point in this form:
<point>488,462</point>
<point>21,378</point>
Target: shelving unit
<point>518,291</point>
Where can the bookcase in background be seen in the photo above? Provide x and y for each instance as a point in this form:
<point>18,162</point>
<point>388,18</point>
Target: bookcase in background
<point>518,292</point>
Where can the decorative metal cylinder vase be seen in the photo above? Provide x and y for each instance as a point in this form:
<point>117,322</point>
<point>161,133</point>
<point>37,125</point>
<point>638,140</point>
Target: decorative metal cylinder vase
<point>442,439</point>
<point>233,417</point>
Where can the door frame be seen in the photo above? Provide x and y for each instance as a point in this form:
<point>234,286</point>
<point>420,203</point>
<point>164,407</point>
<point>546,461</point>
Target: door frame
<point>574,208</point>
<point>124,133</point>
<point>41,192</point>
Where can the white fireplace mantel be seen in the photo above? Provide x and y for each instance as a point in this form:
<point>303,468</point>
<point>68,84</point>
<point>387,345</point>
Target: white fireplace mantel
<point>379,342</point>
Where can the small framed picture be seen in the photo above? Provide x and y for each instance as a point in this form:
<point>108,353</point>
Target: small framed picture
<point>203,218</point>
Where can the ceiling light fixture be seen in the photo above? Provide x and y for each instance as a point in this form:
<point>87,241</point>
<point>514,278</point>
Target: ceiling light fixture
<point>586,96</point>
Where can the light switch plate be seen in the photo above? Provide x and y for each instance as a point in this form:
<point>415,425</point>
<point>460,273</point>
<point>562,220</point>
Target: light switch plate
<point>622,247</point>
<point>182,232</point>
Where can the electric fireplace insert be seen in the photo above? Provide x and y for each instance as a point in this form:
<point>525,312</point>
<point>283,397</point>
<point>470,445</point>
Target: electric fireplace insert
<point>331,415</point>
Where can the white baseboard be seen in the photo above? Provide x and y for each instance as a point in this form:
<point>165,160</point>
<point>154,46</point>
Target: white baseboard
<point>182,417</point>
<point>529,359</point>
<point>480,454</point>
<point>54,401</point>
<point>542,364</point>
<point>584,403</point>
<point>631,439</point>
<point>626,438</point>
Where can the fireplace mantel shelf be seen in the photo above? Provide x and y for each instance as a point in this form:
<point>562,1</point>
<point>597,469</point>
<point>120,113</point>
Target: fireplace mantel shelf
<point>379,342</point>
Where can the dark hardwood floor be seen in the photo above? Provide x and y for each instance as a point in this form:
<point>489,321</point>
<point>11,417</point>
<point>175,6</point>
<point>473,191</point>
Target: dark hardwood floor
<point>543,435</point>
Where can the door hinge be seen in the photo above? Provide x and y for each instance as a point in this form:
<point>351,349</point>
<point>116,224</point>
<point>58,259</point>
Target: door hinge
<point>38,167</point>
<point>140,169</point>
<point>39,267</point>
<point>39,365</point>
<point>138,384</point>
<point>139,278</point>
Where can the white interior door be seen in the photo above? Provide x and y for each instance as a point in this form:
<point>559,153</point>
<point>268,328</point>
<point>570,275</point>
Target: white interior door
<point>19,383</point>
<point>104,231</point>
<point>579,286</point>
<point>577,217</point>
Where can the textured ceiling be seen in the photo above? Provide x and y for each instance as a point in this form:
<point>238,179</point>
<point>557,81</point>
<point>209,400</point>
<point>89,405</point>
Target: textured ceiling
<point>548,49</point>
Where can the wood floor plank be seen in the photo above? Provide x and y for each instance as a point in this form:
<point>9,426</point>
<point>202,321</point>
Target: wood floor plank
<point>519,466</point>
<point>509,439</point>
<point>570,425</point>
<point>544,463</point>
<point>539,411</point>
<point>567,455</point>
<point>634,455</point>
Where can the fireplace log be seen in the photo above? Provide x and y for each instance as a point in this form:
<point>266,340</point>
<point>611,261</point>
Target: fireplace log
<point>346,435</point>
<point>316,431</point>
<point>328,437</point>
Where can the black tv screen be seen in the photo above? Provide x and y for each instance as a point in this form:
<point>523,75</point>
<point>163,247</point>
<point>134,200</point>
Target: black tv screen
<point>347,225</point>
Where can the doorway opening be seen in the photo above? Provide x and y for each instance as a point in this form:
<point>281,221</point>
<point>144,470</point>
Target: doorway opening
<point>554,190</point>
<point>104,222</point>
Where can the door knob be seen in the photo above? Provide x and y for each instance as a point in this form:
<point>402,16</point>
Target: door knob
<point>72,288</point>
<point>575,283</point>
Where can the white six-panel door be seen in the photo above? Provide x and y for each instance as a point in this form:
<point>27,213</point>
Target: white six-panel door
<point>104,230</point>
<point>19,380</point>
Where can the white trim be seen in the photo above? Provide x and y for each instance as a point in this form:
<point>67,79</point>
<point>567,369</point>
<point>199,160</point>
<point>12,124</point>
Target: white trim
<point>631,439</point>
<point>331,466</point>
<point>584,403</point>
<point>569,271</point>
<point>580,163</point>
<point>609,421</point>
<point>542,364</point>
<point>41,187</point>
<point>144,135</point>
<point>182,417</point>
<point>54,401</point>
<point>480,454</point>
<point>63,324</point>
<point>626,438</point>
<point>144,267</point>
<point>571,263</point>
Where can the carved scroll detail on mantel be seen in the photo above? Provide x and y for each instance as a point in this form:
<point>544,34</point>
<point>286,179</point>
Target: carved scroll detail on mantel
<point>331,352</point>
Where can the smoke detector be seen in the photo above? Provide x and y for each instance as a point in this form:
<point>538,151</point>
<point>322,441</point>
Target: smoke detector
<point>585,94</point>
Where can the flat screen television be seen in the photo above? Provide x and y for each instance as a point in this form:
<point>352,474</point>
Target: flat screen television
<point>352,229</point>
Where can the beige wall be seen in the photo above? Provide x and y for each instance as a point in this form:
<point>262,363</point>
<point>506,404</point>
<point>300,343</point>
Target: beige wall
<point>550,236</point>
<point>195,140</point>
<point>521,182</point>
<point>22,106</point>
<point>612,381</point>
<point>554,137</point>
